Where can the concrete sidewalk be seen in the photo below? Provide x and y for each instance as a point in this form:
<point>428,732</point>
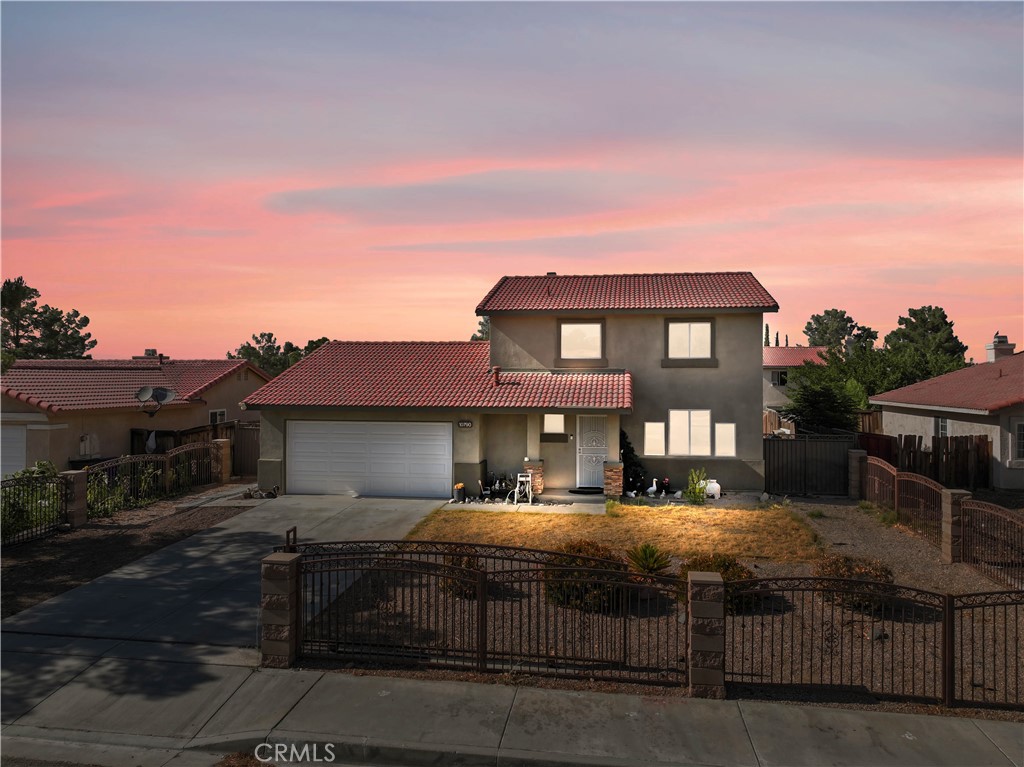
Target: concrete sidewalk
<point>155,664</point>
<point>141,704</point>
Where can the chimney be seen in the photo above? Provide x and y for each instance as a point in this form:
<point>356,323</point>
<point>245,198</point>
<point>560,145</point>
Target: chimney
<point>999,348</point>
<point>148,355</point>
<point>496,370</point>
<point>552,274</point>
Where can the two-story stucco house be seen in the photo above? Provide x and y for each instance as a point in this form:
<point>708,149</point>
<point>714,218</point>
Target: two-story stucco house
<point>674,360</point>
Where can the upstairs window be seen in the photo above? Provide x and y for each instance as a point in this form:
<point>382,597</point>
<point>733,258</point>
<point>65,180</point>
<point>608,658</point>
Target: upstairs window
<point>218,416</point>
<point>581,340</point>
<point>1019,451</point>
<point>689,340</point>
<point>780,377</point>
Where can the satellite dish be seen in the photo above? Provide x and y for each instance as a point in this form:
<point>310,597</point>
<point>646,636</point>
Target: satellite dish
<point>144,394</point>
<point>162,395</point>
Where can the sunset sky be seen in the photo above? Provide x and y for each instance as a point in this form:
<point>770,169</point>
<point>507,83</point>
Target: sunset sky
<point>188,174</point>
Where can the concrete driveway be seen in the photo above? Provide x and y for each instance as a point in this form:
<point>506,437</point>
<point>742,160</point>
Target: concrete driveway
<point>204,590</point>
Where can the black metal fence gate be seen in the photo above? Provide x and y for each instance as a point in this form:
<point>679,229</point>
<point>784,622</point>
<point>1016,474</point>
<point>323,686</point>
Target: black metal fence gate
<point>808,464</point>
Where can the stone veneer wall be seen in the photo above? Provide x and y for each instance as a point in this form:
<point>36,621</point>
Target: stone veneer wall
<point>613,479</point>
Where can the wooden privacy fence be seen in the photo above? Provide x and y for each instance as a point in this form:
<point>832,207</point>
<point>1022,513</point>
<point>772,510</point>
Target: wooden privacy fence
<point>884,639</point>
<point>245,442</point>
<point>988,537</point>
<point>134,481</point>
<point>32,507</point>
<point>964,461</point>
<point>771,422</point>
<point>808,464</point>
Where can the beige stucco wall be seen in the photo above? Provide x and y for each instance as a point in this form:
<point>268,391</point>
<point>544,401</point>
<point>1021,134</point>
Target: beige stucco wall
<point>1007,473</point>
<point>57,436</point>
<point>733,390</point>
<point>505,446</point>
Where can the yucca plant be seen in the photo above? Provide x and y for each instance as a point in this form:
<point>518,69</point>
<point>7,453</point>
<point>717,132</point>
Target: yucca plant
<point>648,559</point>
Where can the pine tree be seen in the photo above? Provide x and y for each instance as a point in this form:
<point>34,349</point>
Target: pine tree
<point>776,338</point>
<point>766,334</point>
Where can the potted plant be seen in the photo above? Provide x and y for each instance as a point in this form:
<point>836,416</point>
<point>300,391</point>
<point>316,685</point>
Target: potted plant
<point>647,560</point>
<point>460,492</point>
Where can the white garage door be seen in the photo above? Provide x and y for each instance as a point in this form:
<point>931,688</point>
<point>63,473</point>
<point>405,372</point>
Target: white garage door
<point>12,449</point>
<point>369,458</point>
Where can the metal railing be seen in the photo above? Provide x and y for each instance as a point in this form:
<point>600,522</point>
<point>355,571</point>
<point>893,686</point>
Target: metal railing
<point>988,633</point>
<point>919,505</point>
<point>878,637</point>
<point>880,483</point>
<point>32,507</point>
<point>992,541</point>
<point>886,640</point>
<point>135,481</point>
<point>490,608</point>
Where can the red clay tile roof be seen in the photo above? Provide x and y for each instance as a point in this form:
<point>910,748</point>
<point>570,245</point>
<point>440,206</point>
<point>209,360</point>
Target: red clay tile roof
<point>985,388</point>
<point>791,356</point>
<point>700,290</point>
<point>452,374</point>
<point>57,385</point>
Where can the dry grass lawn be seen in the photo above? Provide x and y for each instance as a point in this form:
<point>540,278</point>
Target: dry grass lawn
<point>775,533</point>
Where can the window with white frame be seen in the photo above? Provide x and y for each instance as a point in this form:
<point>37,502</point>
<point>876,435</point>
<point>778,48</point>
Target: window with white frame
<point>218,416</point>
<point>942,427</point>
<point>725,440</point>
<point>654,438</point>
<point>780,377</point>
<point>689,340</point>
<point>581,340</point>
<point>554,423</point>
<point>1018,450</point>
<point>689,432</point>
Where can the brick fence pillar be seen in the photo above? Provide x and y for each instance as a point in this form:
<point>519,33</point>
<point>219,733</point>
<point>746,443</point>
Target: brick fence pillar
<point>536,471</point>
<point>224,445</point>
<point>78,509</point>
<point>858,461</point>
<point>706,634</point>
<point>613,479</point>
<point>952,525</point>
<point>279,609</point>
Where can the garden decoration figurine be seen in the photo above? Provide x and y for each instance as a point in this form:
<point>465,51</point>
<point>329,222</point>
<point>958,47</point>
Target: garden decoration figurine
<point>652,489</point>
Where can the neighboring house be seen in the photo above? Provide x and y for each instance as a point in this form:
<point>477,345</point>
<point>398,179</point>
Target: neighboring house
<point>777,365</point>
<point>73,412</point>
<point>673,359</point>
<point>987,398</point>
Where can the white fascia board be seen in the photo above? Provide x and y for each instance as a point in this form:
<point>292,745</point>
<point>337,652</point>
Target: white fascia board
<point>969,411</point>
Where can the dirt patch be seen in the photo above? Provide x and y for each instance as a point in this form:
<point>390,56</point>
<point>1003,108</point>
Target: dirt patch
<point>36,571</point>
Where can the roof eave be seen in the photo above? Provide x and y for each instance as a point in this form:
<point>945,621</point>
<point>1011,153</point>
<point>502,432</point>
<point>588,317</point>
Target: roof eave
<point>944,408</point>
<point>691,310</point>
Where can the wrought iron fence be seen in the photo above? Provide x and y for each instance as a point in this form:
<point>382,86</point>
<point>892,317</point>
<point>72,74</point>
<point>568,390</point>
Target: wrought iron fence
<point>191,466</point>
<point>879,483</point>
<point>490,608</point>
<point>135,481</point>
<point>919,505</point>
<point>992,540</point>
<point>877,637</point>
<point>32,507</point>
<point>988,633</point>
<point>887,640</point>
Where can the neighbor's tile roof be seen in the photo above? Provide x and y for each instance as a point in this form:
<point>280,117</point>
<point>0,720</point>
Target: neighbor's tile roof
<point>451,374</point>
<point>791,356</point>
<point>699,290</point>
<point>986,387</point>
<point>57,385</point>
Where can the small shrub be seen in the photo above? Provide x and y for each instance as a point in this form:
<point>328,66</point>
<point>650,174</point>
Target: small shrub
<point>572,579</point>
<point>648,559</point>
<point>728,567</point>
<point>866,506</point>
<point>696,487</point>
<point>462,556</point>
<point>815,513</point>
<point>877,578</point>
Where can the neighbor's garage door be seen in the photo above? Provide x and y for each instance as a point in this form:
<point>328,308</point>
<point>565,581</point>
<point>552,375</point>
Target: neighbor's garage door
<point>12,449</point>
<point>369,458</point>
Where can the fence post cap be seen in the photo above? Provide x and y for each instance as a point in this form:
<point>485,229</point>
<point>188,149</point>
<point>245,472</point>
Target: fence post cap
<point>704,577</point>
<point>281,558</point>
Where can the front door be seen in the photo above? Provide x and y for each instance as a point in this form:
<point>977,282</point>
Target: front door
<point>591,450</point>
